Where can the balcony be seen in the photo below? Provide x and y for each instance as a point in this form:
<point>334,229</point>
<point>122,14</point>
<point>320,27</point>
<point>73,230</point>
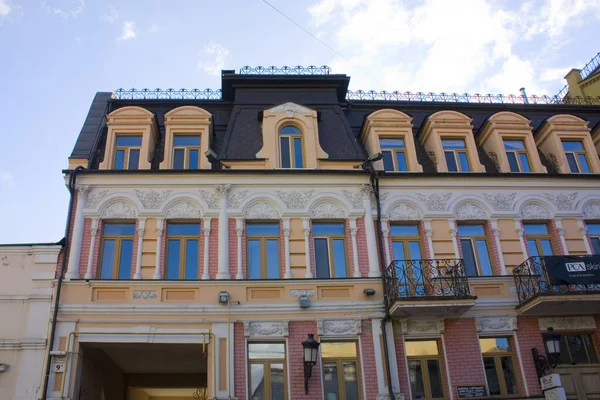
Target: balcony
<point>427,288</point>
<point>558,285</point>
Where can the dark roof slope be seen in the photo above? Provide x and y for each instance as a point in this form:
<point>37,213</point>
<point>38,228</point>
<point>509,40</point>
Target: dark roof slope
<point>91,126</point>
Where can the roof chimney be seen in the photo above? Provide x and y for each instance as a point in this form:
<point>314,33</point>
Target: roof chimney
<point>524,94</point>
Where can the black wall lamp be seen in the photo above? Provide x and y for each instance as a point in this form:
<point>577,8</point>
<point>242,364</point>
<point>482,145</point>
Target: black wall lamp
<point>311,349</point>
<point>545,364</point>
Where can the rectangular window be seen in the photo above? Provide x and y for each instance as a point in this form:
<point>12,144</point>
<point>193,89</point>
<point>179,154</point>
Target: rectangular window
<point>475,250</point>
<point>182,250</point>
<point>594,233</point>
<point>424,369</point>
<point>394,156</point>
<point>340,371</point>
<point>538,239</point>
<point>290,144</point>
<point>455,152</point>
<point>499,365</point>
<point>117,250</point>
<point>186,149</point>
<point>406,246</point>
<point>330,249</point>
<point>267,371</point>
<point>127,152</point>
<point>516,152</point>
<point>263,250</point>
<point>577,349</point>
<point>576,157</point>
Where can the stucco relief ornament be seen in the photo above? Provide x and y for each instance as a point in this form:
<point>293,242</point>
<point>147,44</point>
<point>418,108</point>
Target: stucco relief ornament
<point>534,211</point>
<point>420,326</point>
<point>491,324</point>
<point>501,201</point>
<point>266,328</point>
<point>470,211</point>
<point>183,210</point>
<point>295,199</point>
<point>236,198</point>
<point>302,292</point>
<point>4,261</point>
<point>327,210</point>
<point>403,212</point>
<point>118,210</point>
<point>341,327</point>
<point>94,197</point>
<point>572,323</point>
<point>145,294</point>
<point>354,198</point>
<point>261,210</point>
<point>223,190</point>
<point>152,198</point>
<point>211,198</point>
<point>563,201</point>
<point>435,201</point>
<point>592,211</point>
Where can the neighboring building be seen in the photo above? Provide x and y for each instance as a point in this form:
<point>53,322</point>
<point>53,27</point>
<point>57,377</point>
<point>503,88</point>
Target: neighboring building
<point>185,274</point>
<point>585,82</point>
<point>26,284</point>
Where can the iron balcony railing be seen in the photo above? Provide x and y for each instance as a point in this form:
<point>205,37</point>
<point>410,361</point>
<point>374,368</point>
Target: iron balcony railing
<point>532,280</point>
<point>426,279</point>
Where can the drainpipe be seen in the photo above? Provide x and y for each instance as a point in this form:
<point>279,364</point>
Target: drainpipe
<point>66,244</point>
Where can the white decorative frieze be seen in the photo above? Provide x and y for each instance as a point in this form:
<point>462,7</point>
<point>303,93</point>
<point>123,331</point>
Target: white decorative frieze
<point>354,198</point>
<point>435,201</point>
<point>422,326</point>
<point>496,324</point>
<point>592,211</point>
<point>567,323</point>
<point>404,212</point>
<point>119,210</point>
<point>211,198</point>
<point>534,211</point>
<point>145,294</point>
<point>152,198</point>
<point>470,211</point>
<point>236,197</point>
<point>501,201</point>
<point>295,199</point>
<point>183,210</point>
<point>265,329</point>
<point>261,210</point>
<point>327,211</point>
<point>94,196</point>
<point>289,108</point>
<point>302,292</point>
<point>338,327</point>
<point>563,201</point>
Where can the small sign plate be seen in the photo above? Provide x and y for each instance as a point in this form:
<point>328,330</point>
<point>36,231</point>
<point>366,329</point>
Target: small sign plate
<point>471,391</point>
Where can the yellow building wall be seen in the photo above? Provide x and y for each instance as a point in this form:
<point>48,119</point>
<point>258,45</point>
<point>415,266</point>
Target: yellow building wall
<point>510,244</point>
<point>297,248</point>
<point>442,240</point>
<point>149,249</point>
<point>574,238</point>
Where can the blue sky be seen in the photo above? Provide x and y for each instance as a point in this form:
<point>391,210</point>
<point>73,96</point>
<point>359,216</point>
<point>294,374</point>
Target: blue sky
<point>55,54</point>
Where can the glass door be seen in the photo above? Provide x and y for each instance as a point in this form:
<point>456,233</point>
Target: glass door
<point>406,245</point>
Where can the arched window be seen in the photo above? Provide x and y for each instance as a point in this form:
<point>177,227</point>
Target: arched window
<point>290,147</point>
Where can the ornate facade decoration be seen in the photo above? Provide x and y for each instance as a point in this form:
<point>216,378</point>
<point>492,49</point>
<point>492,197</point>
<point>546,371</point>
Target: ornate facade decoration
<point>355,198</point>
<point>422,326</point>
<point>261,210</point>
<point>534,211</point>
<point>339,327</point>
<point>265,329</point>
<point>145,294</point>
<point>592,211</point>
<point>327,211</point>
<point>152,198</point>
<point>183,210</point>
<point>404,212</point>
<point>567,323</point>
<point>211,198</point>
<point>470,211</point>
<point>563,201</point>
<point>435,201</point>
<point>118,210</point>
<point>302,292</point>
<point>501,201</point>
<point>94,196</point>
<point>290,109</point>
<point>236,198</point>
<point>223,190</point>
<point>496,324</point>
<point>295,198</point>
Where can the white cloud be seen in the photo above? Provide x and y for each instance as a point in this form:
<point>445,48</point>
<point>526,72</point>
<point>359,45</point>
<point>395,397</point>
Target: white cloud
<point>112,15</point>
<point>212,59</point>
<point>555,74</point>
<point>4,8</point>
<point>78,40</point>
<point>129,31</point>
<point>154,28</point>
<point>64,8</point>
<point>6,179</point>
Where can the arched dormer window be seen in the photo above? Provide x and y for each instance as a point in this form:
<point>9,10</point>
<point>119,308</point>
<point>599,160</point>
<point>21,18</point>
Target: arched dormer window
<point>290,147</point>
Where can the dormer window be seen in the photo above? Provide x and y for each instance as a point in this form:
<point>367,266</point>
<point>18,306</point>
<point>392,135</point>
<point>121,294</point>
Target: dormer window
<point>394,155</point>
<point>186,150</point>
<point>516,153</point>
<point>455,153</point>
<point>575,153</point>
<point>127,152</point>
<point>290,144</point>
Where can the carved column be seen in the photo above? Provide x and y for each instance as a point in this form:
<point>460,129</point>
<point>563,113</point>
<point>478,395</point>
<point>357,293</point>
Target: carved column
<point>374,270</point>
<point>353,231</point>
<point>206,229</point>
<point>385,229</point>
<point>429,235</point>
<point>561,234</point>
<point>223,252</point>
<point>454,234</point>
<point>138,262</point>
<point>520,233</point>
<point>93,232</point>
<point>584,235</point>
<point>496,232</point>
<point>239,230</point>
<point>286,234</point>
<point>77,234</point>
<point>306,230</point>
<point>159,234</point>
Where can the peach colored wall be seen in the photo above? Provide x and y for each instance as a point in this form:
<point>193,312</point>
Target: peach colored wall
<point>510,244</point>
<point>442,240</point>
<point>574,238</point>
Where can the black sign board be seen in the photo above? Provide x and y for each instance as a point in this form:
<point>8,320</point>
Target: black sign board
<point>471,391</point>
<point>570,270</point>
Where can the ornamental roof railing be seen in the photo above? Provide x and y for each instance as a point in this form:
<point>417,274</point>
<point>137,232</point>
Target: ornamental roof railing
<point>590,67</point>
<point>285,70</point>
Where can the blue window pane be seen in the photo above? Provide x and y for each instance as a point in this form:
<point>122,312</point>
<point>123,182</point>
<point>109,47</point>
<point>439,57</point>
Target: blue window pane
<point>253,259</point>
<point>514,145</point>
<point>285,152</point>
<point>290,130</point>
<point>186,140</point>
<point>451,161</point>
<point>415,250</point>
<point>484,258</point>
<point>464,162</point>
<point>322,258</point>
<point>129,141</point>
<point>512,162</point>
<point>120,159</point>
<point>535,229</point>
<point>108,259</point>
<point>324,228</point>
<point>524,162</point>
<point>191,259</point>
<point>125,259</point>
<point>298,152</point>
<point>391,143</point>
<point>398,250</point>
<point>533,250</point>
<point>593,229</point>
<point>134,159</point>
<point>193,164</point>
<point>388,161</point>
<point>572,146</point>
<point>547,247</point>
<point>119,229</point>
<point>183,229</point>
<point>401,161</point>
<point>339,258</point>
<point>572,163</point>
<point>469,257</point>
<point>585,168</point>
<point>453,143</point>
<point>404,230</point>
<point>273,259</point>
<point>178,158</point>
<point>173,252</point>
<point>262,229</point>
<point>596,246</point>
<point>471,230</point>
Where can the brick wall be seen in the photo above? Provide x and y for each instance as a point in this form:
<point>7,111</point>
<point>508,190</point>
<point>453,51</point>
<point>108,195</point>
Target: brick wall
<point>233,248</point>
<point>239,360</point>
<point>401,362</point>
<point>85,246</point>
<point>311,245</point>
<point>493,248</point>
<point>134,251</point>
<point>361,244</point>
<point>555,238</point>
<point>213,250</point>
<point>281,250</point>
<point>163,250</point>
<point>529,336</point>
<point>298,332</point>
<point>463,353</point>
<point>367,359</point>
<point>350,247</point>
<point>424,241</point>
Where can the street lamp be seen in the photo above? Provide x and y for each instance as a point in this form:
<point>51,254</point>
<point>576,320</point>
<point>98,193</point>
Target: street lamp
<point>311,349</point>
<point>544,364</point>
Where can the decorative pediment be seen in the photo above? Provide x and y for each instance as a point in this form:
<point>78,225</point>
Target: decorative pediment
<point>592,211</point>
<point>265,329</point>
<point>339,327</point>
<point>327,210</point>
<point>119,210</point>
<point>289,108</point>
<point>183,210</point>
<point>404,212</point>
<point>261,210</point>
<point>470,211</point>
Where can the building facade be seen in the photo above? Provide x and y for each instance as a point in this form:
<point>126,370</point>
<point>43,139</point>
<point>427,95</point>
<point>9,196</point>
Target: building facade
<point>583,83</point>
<point>190,274</point>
